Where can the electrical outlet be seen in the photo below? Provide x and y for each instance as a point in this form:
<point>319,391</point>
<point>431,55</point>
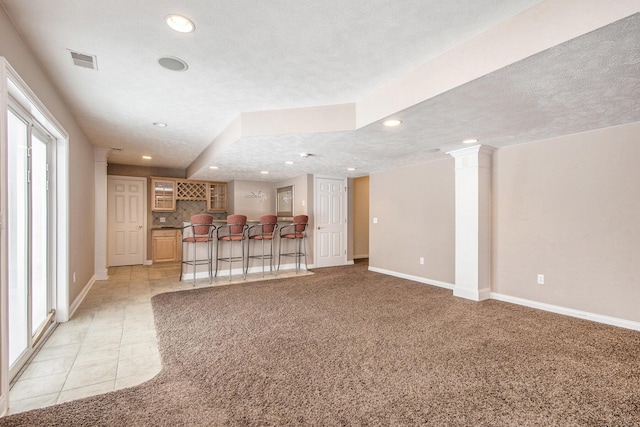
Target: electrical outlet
<point>421,260</point>
<point>375,220</point>
<point>540,279</point>
<point>163,219</point>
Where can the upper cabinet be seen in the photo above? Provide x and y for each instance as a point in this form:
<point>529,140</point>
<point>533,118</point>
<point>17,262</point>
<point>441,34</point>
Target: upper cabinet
<point>167,190</point>
<point>163,194</point>
<point>217,196</point>
<point>192,190</point>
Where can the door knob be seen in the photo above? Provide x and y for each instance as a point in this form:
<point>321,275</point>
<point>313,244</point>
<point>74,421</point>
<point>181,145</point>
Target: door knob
<point>139,227</point>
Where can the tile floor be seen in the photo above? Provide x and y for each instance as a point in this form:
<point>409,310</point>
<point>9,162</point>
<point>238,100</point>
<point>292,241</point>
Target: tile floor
<point>109,343</point>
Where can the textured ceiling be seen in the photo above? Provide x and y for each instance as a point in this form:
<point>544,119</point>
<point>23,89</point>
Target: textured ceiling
<point>254,56</point>
<point>587,83</point>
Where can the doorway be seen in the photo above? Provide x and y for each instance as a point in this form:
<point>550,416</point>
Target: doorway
<point>331,222</point>
<point>126,219</point>
<point>30,236</point>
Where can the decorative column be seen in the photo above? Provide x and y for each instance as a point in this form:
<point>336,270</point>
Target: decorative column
<point>100,215</point>
<point>473,222</point>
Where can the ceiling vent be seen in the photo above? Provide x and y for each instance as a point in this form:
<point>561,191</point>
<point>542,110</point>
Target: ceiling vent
<point>172,63</point>
<point>83,60</point>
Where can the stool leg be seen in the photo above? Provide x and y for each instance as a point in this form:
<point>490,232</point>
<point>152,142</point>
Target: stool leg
<point>217,256</point>
<point>244,272</point>
<point>271,255</point>
<point>304,244</point>
<point>209,255</point>
<point>181,259</point>
<point>262,257</point>
<point>195,253</point>
<point>230,254</point>
<point>279,254</point>
<point>297,249</point>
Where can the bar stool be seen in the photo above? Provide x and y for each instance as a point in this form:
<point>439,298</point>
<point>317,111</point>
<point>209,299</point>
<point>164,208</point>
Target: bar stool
<point>296,232</point>
<point>201,231</point>
<point>264,231</point>
<point>234,231</point>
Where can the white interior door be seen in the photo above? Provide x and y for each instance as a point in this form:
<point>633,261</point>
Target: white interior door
<point>331,222</point>
<point>126,220</point>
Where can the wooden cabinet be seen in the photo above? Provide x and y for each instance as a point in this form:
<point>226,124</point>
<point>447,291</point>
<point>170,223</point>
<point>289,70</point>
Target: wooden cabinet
<point>191,190</point>
<point>217,196</point>
<point>163,194</point>
<point>166,245</point>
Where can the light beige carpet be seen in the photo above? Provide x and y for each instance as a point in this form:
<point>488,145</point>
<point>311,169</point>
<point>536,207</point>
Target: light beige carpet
<point>350,347</point>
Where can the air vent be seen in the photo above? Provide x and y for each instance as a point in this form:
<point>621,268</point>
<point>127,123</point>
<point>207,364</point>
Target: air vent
<point>84,60</point>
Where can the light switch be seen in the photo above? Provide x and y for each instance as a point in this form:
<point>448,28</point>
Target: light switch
<point>375,220</point>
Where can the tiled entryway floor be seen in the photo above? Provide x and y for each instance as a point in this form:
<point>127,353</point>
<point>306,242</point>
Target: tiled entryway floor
<point>110,342</point>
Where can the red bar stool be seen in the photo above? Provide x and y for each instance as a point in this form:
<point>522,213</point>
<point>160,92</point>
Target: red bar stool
<point>235,231</point>
<point>264,231</point>
<point>296,232</point>
<point>200,231</point>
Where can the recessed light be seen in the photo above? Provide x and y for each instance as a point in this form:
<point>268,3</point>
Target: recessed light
<point>288,163</point>
<point>146,157</point>
<point>392,122</point>
<point>351,169</point>
<point>470,141</point>
<point>265,172</point>
<point>180,23</point>
<point>213,167</point>
<point>160,124</point>
<point>173,64</point>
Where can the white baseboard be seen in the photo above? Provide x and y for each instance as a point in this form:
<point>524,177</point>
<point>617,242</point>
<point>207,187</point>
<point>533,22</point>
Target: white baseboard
<point>484,294</point>
<point>101,275</point>
<point>472,294</point>
<point>608,320</point>
<point>426,281</point>
<point>3,404</point>
<point>76,303</point>
<point>148,262</point>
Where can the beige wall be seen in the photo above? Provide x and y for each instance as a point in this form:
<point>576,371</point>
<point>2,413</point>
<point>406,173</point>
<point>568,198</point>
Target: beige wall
<point>145,171</point>
<point>303,190</point>
<point>569,208</point>
<point>360,222</point>
<point>81,174</point>
<point>254,198</point>
<point>415,209</point>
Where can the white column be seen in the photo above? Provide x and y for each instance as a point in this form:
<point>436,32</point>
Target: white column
<point>473,222</point>
<point>100,215</point>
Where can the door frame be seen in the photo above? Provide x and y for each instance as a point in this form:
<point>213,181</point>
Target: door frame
<point>145,214</point>
<point>345,223</point>
<point>11,84</point>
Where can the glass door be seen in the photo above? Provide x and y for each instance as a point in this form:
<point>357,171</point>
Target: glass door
<point>30,285</point>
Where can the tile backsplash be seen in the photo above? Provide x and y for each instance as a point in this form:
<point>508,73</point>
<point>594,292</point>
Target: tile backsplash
<point>184,210</point>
